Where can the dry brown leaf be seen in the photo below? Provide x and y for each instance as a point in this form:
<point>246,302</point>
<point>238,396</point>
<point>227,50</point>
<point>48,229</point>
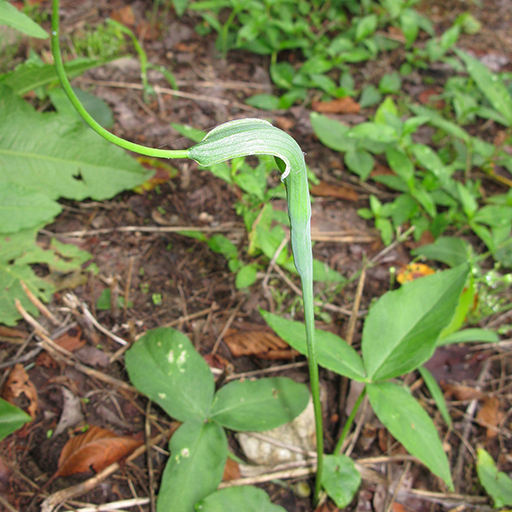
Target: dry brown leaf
<point>19,389</point>
<point>96,449</point>
<point>337,106</point>
<point>460,392</point>
<point>284,123</point>
<point>9,332</point>
<point>71,340</point>
<point>255,340</point>
<point>490,414</point>
<point>431,96</point>
<point>231,471</point>
<point>324,189</point>
<point>413,271</point>
<point>124,15</point>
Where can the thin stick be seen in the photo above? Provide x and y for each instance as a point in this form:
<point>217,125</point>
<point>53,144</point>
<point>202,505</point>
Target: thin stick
<point>115,505</point>
<point>149,456</point>
<point>29,318</point>
<point>141,229</point>
<point>273,369</point>
<point>278,475</point>
<point>397,488</point>
<point>227,326</point>
<point>39,305</point>
<point>179,94</point>
<point>7,505</point>
<point>128,285</point>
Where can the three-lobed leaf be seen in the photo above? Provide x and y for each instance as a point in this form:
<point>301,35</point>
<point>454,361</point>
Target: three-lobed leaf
<point>194,470</point>
<point>233,499</point>
<point>409,423</point>
<point>164,365</point>
<point>259,405</point>
<point>332,352</point>
<point>402,327</point>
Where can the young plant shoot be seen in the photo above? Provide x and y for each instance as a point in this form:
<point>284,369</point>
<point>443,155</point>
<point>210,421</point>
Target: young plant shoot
<point>231,140</point>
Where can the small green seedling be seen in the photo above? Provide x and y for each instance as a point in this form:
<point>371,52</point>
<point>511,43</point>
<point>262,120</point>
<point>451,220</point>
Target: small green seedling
<point>12,418</point>
<point>401,332</point>
<point>164,366</point>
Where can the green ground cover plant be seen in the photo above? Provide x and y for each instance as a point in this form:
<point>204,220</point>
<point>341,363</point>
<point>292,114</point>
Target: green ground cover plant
<point>164,365</point>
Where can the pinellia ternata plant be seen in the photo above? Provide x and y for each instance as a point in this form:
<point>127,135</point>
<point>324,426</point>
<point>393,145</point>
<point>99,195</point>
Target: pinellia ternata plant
<point>231,140</point>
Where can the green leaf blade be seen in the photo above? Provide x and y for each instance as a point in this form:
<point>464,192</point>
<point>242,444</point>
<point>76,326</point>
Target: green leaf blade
<point>497,484</point>
<point>239,405</point>
<point>340,479</point>
<point>194,470</point>
<point>11,17</point>
<point>333,353</point>
<point>408,422</point>
<point>232,498</point>
<point>402,328</point>
<point>11,418</point>
<point>164,366</point>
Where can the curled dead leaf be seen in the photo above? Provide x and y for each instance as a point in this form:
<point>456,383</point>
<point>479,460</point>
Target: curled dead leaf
<point>490,415</point>
<point>19,390</point>
<point>337,106</point>
<point>324,189</point>
<point>461,392</point>
<point>231,471</point>
<point>413,271</point>
<point>255,340</point>
<point>96,449</point>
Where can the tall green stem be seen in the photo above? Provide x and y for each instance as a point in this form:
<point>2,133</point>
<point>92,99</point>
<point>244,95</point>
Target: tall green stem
<point>118,141</point>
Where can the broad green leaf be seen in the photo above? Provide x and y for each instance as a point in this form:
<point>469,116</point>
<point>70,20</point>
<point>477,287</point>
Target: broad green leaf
<point>236,499</point>
<point>494,215</point>
<point>497,484</point>
<point>11,418</point>
<point>194,134</point>
<point>239,405</point>
<point>246,276</point>
<point>21,208</point>
<point>466,301</point>
<point>332,133</point>
<point>410,425</point>
<point>390,83</point>
<point>385,229</point>
<point>333,353</point>
<point>97,107</point>
<point>469,336</point>
<point>222,245</point>
<point>164,366</point>
<point>360,162</point>
<point>386,108</point>
<point>409,26</point>
<point>29,76</point>
<point>373,131</point>
<point>12,248</point>
<point>366,26</point>
<point>324,274</point>
<point>401,164</point>
<point>435,119</point>
<point>263,101</point>
<point>11,17</point>
<point>490,84</point>
<point>370,96</point>
<point>446,249</point>
<point>428,158</point>
<point>194,470</point>
<point>59,157</point>
<point>340,479</point>
<point>402,327</point>
<point>180,6</point>
<point>437,394</point>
